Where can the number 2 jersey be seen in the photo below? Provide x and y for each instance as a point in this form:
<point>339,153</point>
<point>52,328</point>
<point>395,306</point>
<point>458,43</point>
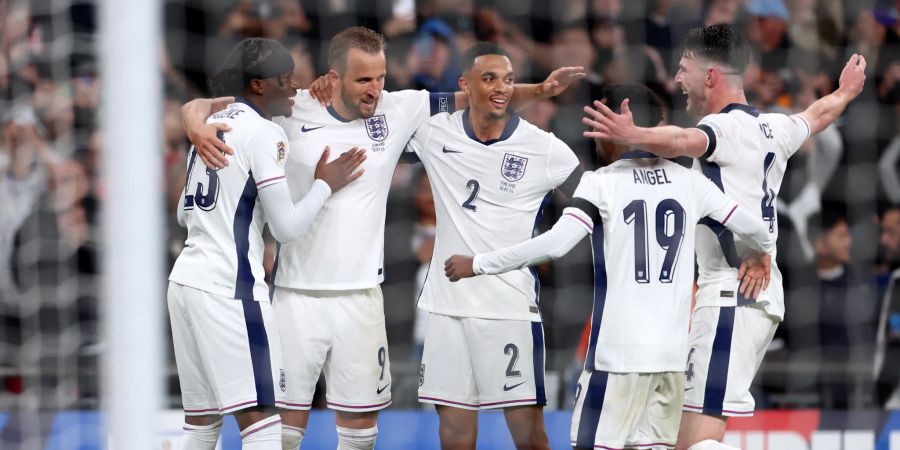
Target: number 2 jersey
<point>224,247</point>
<point>487,195</point>
<point>746,158</point>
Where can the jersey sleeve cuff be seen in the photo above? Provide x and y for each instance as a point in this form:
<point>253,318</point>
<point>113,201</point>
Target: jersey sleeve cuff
<point>321,189</point>
<point>730,214</point>
<point>805,123</point>
<point>710,139</point>
<point>579,217</point>
<point>476,265</point>
<point>270,181</point>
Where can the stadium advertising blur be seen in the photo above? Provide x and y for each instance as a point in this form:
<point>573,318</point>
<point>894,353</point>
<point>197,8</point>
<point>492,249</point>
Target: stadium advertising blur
<point>768,430</point>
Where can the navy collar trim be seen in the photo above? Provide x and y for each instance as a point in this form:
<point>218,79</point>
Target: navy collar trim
<point>252,106</point>
<point>740,107</point>
<point>335,114</point>
<point>507,131</point>
<point>636,154</point>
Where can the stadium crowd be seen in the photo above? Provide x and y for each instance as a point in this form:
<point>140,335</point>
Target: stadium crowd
<point>839,209</point>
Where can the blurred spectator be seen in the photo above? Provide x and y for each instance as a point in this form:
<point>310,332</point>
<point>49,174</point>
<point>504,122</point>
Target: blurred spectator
<point>22,181</point>
<point>846,315</point>
<point>438,57</point>
<point>887,360</point>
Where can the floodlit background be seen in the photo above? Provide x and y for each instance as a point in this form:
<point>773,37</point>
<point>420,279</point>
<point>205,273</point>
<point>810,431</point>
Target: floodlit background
<point>835,250</point>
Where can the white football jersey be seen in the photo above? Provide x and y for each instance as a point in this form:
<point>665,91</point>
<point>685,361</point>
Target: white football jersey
<point>746,158</point>
<point>344,247</point>
<point>224,247</point>
<point>487,195</point>
<point>643,259</point>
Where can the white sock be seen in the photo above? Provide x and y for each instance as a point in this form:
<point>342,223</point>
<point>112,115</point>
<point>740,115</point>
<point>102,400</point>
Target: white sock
<point>291,437</point>
<point>710,444</point>
<point>354,439</point>
<point>263,435</point>
<point>201,437</point>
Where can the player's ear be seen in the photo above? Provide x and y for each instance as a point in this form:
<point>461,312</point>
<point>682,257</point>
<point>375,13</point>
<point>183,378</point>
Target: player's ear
<point>257,86</point>
<point>333,78</point>
<point>463,84</point>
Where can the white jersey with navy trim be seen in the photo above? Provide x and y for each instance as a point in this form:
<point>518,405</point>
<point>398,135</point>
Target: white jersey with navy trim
<point>487,195</point>
<point>344,247</point>
<point>746,158</point>
<point>224,247</point>
<point>643,244</point>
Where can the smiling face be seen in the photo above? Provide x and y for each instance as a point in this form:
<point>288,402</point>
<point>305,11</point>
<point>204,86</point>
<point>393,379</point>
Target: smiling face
<point>489,85</point>
<point>691,79</point>
<point>280,95</point>
<point>361,82</point>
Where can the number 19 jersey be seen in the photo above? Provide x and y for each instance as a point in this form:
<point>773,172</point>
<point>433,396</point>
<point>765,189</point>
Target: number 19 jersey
<point>643,259</point>
<point>746,159</point>
<point>487,195</point>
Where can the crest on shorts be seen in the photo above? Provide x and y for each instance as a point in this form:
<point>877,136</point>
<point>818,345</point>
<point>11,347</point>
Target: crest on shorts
<point>281,381</point>
<point>513,168</point>
<point>377,127</point>
<point>281,154</point>
<point>421,374</point>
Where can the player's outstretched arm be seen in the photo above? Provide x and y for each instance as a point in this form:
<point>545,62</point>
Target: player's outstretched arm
<point>204,136</point>
<point>555,243</point>
<point>666,141</point>
<point>827,109</point>
<point>289,221</point>
<point>525,94</point>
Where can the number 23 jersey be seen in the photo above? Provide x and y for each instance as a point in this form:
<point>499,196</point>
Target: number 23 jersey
<point>487,195</point>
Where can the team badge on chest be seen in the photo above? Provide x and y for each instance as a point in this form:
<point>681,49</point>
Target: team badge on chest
<point>377,127</point>
<point>513,167</point>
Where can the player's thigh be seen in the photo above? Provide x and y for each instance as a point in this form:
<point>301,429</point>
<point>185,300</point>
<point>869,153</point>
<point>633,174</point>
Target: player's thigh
<point>358,371</point>
<point>608,408</point>
<point>508,361</point>
<point>726,347</point>
<point>238,344</point>
<point>306,335</point>
<point>197,395</point>
<point>445,373</point>
<point>658,426</point>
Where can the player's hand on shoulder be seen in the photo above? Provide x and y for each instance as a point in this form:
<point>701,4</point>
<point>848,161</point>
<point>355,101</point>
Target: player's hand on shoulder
<point>754,274</point>
<point>853,77</point>
<point>343,170</point>
<point>321,90</point>
<point>210,148</point>
<point>458,267</point>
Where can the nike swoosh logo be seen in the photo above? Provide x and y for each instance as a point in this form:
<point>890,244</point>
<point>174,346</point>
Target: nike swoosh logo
<point>305,130</point>
<point>381,389</point>
<point>447,150</point>
<point>687,389</point>
<point>509,388</point>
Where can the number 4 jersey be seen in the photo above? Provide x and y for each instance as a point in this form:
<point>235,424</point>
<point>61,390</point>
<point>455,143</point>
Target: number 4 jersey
<point>224,247</point>
<point>746,158</point>
<point>486,195</point>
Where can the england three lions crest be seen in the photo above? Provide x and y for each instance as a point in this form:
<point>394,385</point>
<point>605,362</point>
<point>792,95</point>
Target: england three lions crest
<point>377,127</point>
<point>513,168</point>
